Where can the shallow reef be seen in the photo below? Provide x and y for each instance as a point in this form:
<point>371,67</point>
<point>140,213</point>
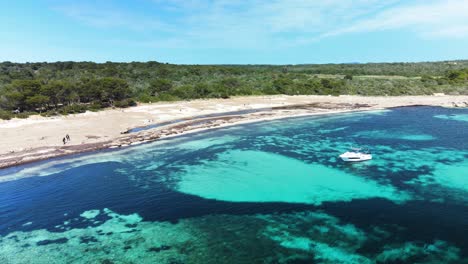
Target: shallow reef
<point>267,192</point>
<point>279,238</point>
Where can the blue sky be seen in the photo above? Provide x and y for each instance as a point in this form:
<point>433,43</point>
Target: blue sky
<point>234,31</point>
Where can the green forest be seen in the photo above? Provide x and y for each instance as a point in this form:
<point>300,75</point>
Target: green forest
<point>75,87</point>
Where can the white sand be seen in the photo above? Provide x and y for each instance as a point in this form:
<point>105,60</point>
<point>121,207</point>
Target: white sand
<point>37,131</point>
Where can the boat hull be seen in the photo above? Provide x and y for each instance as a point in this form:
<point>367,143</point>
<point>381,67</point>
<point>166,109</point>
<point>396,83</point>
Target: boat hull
<point>355,157</point>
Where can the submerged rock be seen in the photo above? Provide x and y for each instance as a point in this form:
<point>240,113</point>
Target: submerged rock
<point>87,239</point>
<point>62,240</point>
<point>159,249</point>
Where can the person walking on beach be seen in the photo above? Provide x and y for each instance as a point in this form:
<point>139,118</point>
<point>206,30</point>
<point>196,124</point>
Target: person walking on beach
<point>64,141</point>
<point>68,137</point>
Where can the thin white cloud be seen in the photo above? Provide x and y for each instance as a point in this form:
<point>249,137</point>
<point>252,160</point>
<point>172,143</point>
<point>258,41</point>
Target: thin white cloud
<point>451,32</point>
<point>267,24</point>
<point>277,23</point>
<point>428,18</point>
<point>110,17</point>
<point>313,16</point>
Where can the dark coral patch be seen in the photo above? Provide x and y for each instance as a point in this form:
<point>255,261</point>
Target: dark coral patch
<point>87,239</point>
<point>159,249</point>
<point>62,240</point>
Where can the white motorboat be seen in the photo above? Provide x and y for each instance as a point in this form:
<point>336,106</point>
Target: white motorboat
<point>356,154</point>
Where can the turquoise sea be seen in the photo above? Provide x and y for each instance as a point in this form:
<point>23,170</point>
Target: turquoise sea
<point>267,192</point>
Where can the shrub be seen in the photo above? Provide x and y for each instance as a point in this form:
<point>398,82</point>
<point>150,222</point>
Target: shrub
<point>146,98</point>
<point>96,106</point>
<point>5,115</point>
<point>49,113</point>
<point>166,97</point>
<point>24,114</point>
<point>73,109</point>
<point>125,103</point>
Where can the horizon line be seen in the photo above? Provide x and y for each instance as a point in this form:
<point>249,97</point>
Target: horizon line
<point>238,64</point>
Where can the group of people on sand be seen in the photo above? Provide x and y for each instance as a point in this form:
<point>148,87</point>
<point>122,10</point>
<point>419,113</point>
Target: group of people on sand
<point>66,139</point>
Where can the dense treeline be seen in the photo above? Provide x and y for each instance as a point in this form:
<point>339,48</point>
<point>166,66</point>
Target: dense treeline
<point>70,87</point>
<point>390,69</point>
<point>23,96</point>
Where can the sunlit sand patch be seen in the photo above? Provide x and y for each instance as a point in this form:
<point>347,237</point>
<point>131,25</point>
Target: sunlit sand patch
<point>205,143</point>
<point>214,239</point>
<point>436,252</point>
<point>337,242</point>
<point>322,251</point>
<point>122,238</point>
<point>254,176</point>
<point>413,160</point>
<point>446,180</point>
<point>384,134</point>
<point>319,224</point>
<point>326,131</point>
<point>452,176</point>
<point>456,117</point>
<point>90,214</point>
<point>387,158</point>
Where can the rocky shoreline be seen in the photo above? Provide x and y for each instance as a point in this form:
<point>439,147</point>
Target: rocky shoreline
<point>112,129</point>
<point>184,127</point>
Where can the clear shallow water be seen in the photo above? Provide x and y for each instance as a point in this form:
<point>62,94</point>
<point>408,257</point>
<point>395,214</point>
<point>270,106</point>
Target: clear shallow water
<point>270,192</point>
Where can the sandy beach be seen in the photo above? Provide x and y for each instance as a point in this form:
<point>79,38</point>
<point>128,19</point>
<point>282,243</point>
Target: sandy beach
<point>37,138</point>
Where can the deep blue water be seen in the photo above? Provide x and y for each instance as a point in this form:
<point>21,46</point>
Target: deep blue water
<point>420,158</point>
